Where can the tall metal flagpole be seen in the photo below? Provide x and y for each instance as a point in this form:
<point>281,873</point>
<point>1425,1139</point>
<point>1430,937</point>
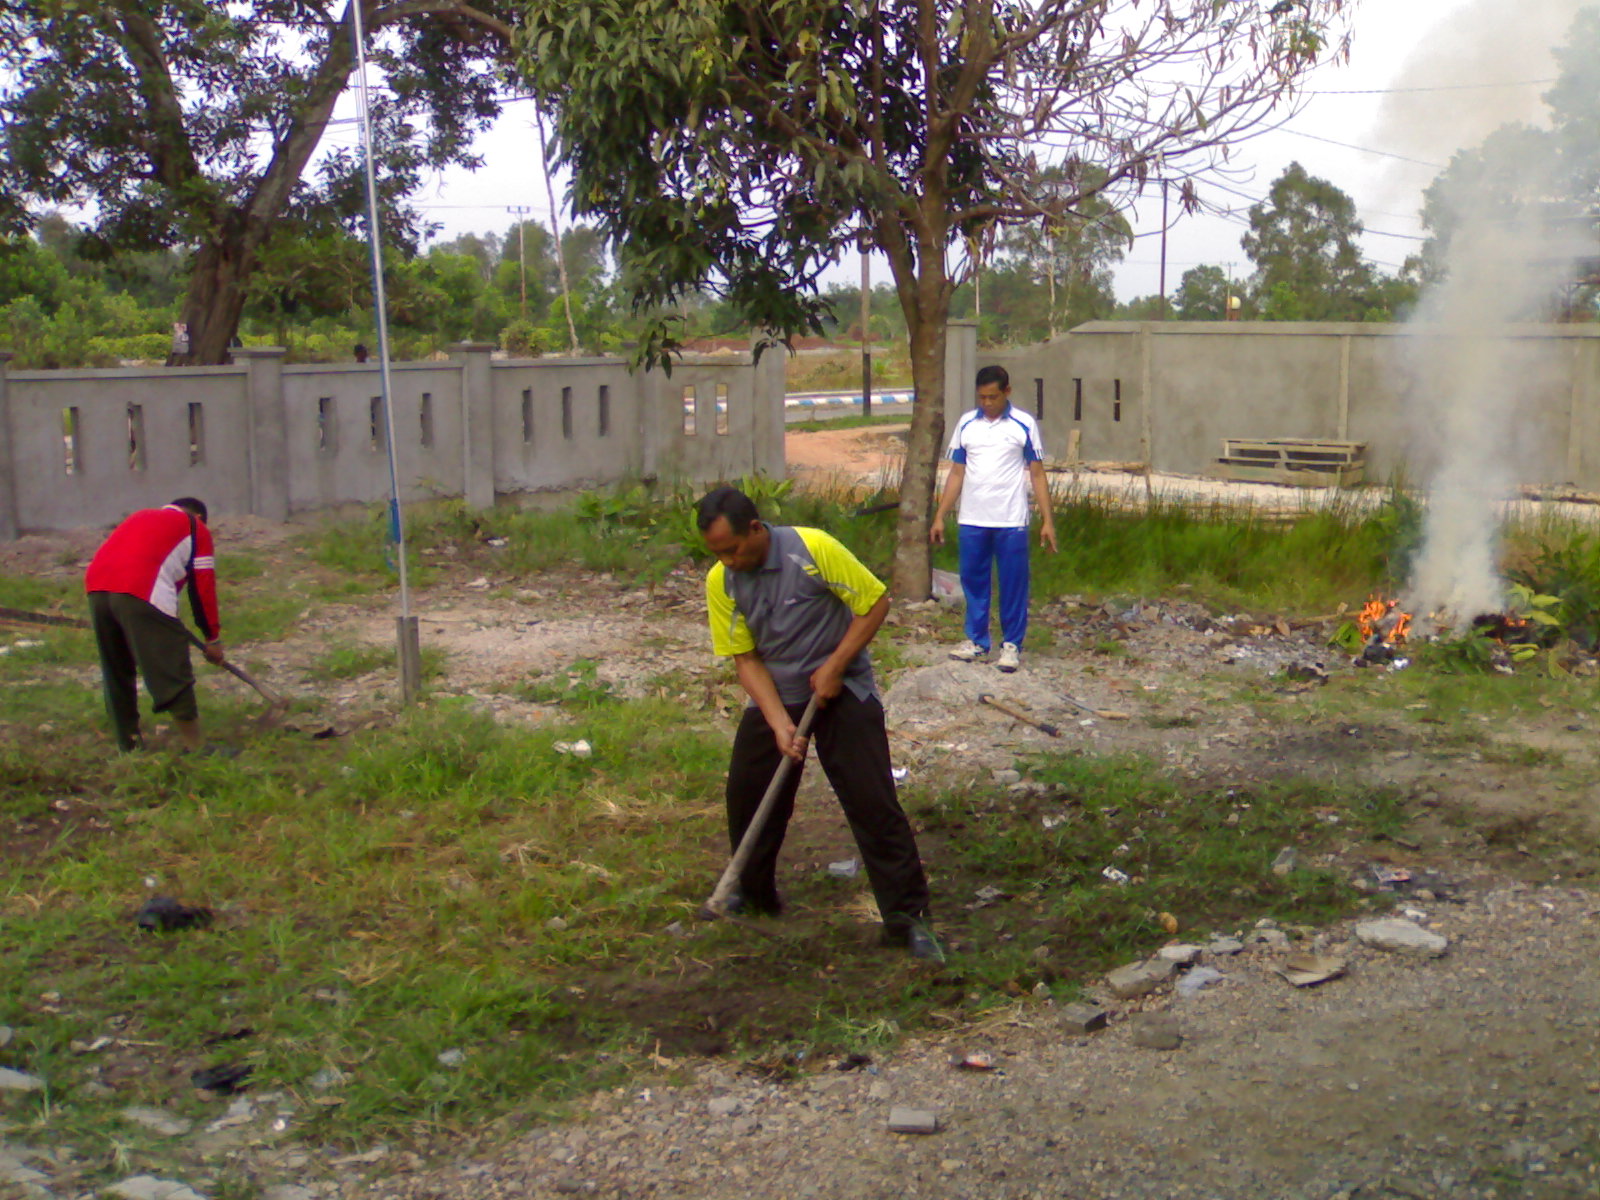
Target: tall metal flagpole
<point>408,647</point>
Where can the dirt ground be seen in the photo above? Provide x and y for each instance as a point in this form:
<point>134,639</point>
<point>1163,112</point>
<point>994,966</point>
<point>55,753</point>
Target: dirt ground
<point>1473,1074</point>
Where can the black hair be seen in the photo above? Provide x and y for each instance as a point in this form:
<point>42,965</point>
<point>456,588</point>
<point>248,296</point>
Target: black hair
<point>727,502</point>
<point>190,504</point>
<point>994,374</point>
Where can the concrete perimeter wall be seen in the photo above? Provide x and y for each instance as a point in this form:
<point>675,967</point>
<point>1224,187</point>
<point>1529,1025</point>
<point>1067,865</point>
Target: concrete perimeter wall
<point>1167,393</point>
<point>88,447</point>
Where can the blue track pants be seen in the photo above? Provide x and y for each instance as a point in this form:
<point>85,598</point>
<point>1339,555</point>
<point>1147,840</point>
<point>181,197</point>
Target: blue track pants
<point>982,549</point>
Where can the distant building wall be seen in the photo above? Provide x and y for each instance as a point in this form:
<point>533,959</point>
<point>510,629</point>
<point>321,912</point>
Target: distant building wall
<point>87,447</point>
<point>1167,393</point>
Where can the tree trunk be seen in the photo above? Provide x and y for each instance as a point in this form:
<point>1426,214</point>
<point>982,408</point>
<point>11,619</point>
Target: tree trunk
<point>215,300</point>
<point>913,563</point>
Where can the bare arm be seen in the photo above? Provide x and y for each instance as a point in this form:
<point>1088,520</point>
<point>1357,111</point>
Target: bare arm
<point>828,679</point>
<point>758,685</point>
<point>952,492</point>
<point>1041,497</point>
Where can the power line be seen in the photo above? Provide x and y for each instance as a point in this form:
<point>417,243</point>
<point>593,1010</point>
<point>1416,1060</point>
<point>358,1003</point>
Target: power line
<point>1363,149</point>
<point>1445,87</point>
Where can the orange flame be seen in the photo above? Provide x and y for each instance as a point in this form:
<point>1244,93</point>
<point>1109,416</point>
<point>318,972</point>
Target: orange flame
<point>1376,613</point>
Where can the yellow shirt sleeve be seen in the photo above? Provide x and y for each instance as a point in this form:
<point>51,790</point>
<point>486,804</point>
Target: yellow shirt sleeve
<point>729,634</point>
<point>842,571</point>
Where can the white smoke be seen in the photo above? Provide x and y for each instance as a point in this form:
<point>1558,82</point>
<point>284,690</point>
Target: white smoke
<point>1508,258</point>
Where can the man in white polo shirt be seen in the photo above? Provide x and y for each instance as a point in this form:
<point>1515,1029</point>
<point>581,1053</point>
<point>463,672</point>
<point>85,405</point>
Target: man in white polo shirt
<point>995,455</point>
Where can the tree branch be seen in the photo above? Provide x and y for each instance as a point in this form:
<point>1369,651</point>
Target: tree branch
<point>418,8</point>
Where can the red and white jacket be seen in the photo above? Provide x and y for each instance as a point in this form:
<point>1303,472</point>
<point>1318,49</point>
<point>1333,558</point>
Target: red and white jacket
<point>148,556</point>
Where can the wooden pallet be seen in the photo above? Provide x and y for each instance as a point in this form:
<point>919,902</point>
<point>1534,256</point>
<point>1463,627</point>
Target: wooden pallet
<point>1299,462</point>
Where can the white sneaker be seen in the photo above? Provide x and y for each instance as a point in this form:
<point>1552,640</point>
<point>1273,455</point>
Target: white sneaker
<point>1010,657</point>
<point>969,652</point>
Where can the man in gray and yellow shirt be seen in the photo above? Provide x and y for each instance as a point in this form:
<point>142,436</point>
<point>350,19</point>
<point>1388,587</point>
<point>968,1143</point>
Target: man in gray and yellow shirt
<point>795,610</point>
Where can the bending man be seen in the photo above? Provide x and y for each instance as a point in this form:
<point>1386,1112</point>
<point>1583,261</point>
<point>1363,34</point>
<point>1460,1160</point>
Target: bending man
<point>133,583</point>
<point>796,611</point>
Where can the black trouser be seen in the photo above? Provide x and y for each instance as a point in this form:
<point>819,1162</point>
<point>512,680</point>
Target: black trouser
<point>136,638</point>
<point>853,747</point>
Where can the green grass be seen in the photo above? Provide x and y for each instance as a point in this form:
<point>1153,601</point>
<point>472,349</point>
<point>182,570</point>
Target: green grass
<point>349,660</point>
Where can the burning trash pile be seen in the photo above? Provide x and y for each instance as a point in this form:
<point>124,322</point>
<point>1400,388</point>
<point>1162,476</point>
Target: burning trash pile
<point>1384,634</point>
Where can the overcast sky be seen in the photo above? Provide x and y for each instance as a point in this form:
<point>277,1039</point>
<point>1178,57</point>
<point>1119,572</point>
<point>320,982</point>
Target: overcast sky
<point>1425,78</point>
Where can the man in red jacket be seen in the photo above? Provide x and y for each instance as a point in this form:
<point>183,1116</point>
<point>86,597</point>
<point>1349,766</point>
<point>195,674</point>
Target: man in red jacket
<point>133,583</point>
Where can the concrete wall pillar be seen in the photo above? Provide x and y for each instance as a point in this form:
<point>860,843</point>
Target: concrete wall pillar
<point>266,429</point>
<point>477,422</point>
<point>767,391</point>
<point>8,464</point>
<point>960,370</point>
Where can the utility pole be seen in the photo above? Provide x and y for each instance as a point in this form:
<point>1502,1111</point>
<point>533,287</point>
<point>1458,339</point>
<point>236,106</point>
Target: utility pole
<point>1161,165</point>
<point>519,211</point>
<point>866,327</point>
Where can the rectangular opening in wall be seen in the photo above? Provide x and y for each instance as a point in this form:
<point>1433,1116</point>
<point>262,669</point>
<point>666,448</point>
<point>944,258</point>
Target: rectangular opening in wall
<point>688,410</point>
<point>135,437</point>
<point>326,433</point>
<point>527,416</point>
<point>1038,398</point>
<point>1116,403</point>
<point>605,411</point>
<point>566,413</point>
<point>1077,399</point>
<point>71,441</point>
<point>426,416</point>
<point>197,435</point>
<point>722,410</point>
<point>375,422</point>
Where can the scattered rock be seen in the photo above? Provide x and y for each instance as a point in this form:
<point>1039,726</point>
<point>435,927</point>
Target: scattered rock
<point>1180,954</point>
<point>556,924</point>
<point>1139,979</point>
<point>28,1183</point>
<point>6,1034</point>
<point>1285,861</point>
<point>1155,1031</point>
<point>845,868</point>
<point>913,1120</point>
<point>158,1120</point>
<point>1192,980</point>
<point>451,1058</point>
<point>1224,945</point>
<point>1082,1019</point>
<point>1401,937</point>
<point>724,1106</point>
<point>148,1187</point>
<point>287,1191</point>
<point>1267,939</point>
<point>1305,970</point>
<point>19,1081</point>
<point>1006,776</point>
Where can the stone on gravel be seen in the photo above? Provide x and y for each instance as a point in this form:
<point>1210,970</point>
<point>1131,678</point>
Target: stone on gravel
<point>148,1187</point>
<point>724,1106</point>
<point>1193,980</point>
<point>156,1119</point>
<point>19,1081</point>
<point>1081,1019</point>
<point>29,1183</point>
<point>288,1191</point>
<point>1401,937</point>
<point>1272,939</point>
<point>913,1120</point>
<point>1139,979</point>
<point>1179,953</point>
<point>1155,1031</point>
<point>1224,945</point>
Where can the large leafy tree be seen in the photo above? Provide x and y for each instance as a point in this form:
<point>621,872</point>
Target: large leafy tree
<point>194,124</point>
<point>740,146</point>
<point>1302,241</point>
<point>1202,294</point>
